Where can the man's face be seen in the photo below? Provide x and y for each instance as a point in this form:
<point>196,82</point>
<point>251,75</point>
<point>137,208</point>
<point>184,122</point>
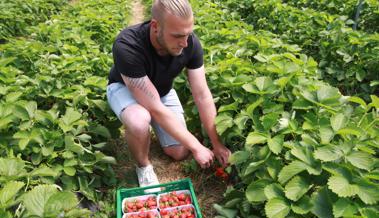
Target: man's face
<point>174,33</point>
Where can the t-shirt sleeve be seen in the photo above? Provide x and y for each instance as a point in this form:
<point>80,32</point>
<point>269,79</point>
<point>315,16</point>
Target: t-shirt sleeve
<point>128,59</point>
<point>196,59</point>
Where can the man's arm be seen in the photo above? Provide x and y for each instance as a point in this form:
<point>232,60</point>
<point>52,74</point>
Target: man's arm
<point>207,110</point>
<point>146,95</point>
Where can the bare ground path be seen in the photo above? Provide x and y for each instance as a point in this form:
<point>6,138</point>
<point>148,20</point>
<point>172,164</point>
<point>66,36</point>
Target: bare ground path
<point>208,189</point>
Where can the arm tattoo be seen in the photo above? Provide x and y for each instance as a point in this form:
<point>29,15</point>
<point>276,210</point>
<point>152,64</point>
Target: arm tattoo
<point>140,83</point>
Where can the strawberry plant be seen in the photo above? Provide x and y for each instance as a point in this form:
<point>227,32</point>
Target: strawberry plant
<point>53,112</point>
<point>369,13</point>
<point>17,16</point>
<point>301,148</point>
<point>347,58</point>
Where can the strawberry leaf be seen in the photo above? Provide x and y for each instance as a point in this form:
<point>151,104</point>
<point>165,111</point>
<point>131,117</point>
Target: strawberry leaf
<point>297,187</point>
<point>341,185</point>
<point>277,208</point>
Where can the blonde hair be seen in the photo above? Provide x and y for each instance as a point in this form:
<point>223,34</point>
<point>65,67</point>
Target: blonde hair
<point>180,8</point>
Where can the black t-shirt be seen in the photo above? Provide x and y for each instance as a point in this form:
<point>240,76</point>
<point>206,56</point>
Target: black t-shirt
<point>134,56</point>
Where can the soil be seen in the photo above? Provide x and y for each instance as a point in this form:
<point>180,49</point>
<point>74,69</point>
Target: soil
<point>208,188</point>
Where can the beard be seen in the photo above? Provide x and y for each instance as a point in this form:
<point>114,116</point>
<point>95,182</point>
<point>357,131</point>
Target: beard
<point>164,47</point>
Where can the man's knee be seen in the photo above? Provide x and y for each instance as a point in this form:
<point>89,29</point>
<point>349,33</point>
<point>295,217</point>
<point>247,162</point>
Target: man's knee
<point>177,152</point>
<point>136,119</point>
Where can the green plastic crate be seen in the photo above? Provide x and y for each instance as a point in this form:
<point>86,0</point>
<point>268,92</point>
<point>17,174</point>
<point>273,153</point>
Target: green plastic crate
<point>183,184</point>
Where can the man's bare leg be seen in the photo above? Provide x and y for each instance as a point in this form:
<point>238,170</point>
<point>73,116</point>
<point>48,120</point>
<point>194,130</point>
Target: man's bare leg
<point>137,133</point>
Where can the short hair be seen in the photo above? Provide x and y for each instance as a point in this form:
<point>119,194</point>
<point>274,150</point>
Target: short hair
<point>180,8</point>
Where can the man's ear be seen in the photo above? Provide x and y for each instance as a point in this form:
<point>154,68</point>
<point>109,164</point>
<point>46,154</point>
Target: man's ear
<point>154,25</point>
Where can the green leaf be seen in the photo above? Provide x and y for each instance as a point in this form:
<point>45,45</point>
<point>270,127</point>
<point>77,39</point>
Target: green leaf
<point>36,199</point>
<point>276,144</point>
<point>322,201</point>
<point>70,162</point>
<point>368,191</point>
<point>20,112</point>
<point>4,121</point>
<point>250,109</point>
<point>13,96</point>
<point>296,188</point>
<point>255,138</point>
<point>302,104</point>
<point>248,87</point>
<point>9,192</point>
<point>373,175</point>
<point>277,208</point>
<point>328,153</point>
<point>274,165</point>
<point>71,171</point>
<point>100,145</point>
<point>223,122</point>
<point>253,166</point>
<point>261,58</point>
<point>302,206</point>
<point>78,213</point>
<point>270,120</point>
<point>226,212</point>
<point>59,202</point>
<point>102,131</point>
<point>292,169</point>
<point>101,104</point>
<point>239,157</point>
<point>44,171</point>
<point>328,95</point>
<point>12,167</point>
<point>31,108</point>
<point>273,190</point>
<point>108,160</point>
<point>341,185</point>
<point>230,107</point>
<point>344,208</point>
<point>350,131</point>
<point>263,83</point>
<point>304,153</point>
<point>84,137</point>
<point>338,121</point>
<point>362,160</point>
<point>255,191</point>
<point>96,81</point>
<point>71,145</point>
<point>233,203</point>
<point>369,212</point>
<point>374,101</point>
<point>359,101</point>
<point>326,135</point>
<point>67,122</point>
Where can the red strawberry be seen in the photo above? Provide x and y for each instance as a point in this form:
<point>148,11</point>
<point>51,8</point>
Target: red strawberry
<point>139,205</point>
<point>182,197</point>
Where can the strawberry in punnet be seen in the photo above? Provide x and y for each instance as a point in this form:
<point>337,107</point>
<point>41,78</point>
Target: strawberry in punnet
<point>141,204</point>
<point>174,199</point>
<point>185,212</point>
<point>149,214</point>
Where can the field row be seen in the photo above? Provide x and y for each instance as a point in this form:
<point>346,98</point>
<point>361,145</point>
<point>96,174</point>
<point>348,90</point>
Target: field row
<point>54,119</point>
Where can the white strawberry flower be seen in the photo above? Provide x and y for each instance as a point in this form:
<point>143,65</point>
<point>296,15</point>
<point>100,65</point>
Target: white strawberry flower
<point>283,123</point>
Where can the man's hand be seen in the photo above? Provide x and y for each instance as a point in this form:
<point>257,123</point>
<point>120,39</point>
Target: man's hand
<point>222,154</point>
<point>203,156</point>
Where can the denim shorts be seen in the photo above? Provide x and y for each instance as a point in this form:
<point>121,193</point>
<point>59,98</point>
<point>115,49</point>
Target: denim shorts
<point>119,97</point>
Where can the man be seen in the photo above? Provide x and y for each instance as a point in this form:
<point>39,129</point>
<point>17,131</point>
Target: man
<point>147,58</point>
